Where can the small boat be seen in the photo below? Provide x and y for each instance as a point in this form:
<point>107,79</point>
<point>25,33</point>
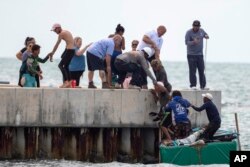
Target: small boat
<point>214,152</point>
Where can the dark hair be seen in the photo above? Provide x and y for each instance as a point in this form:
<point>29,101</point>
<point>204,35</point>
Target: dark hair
<point>119,28</point>
<point>35,47</point>
<point>27,40</point>
<point>176,93</point>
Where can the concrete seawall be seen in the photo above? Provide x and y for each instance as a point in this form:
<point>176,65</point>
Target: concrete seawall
<point>83,124</point>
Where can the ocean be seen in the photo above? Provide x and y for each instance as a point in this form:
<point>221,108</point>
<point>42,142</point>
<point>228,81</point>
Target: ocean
<point>231,78</point>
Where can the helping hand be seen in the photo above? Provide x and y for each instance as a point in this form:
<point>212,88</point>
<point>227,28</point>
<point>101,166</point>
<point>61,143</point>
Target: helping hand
<point>50,56</point>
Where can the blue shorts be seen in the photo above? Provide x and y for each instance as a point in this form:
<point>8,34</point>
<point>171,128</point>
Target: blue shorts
<point>30,81</point>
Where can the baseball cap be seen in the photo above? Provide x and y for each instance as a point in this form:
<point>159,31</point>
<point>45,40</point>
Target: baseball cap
<point>56,25</point>
<point>207,95</point>
<point>197,23</point>
<point>149,51</point>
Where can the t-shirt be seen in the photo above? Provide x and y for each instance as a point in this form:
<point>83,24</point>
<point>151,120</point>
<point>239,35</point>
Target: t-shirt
<point>153,35</point>
<point>77,62</point>
<point>139,59</point>
<point>195,49</point>
<point>102,48</point>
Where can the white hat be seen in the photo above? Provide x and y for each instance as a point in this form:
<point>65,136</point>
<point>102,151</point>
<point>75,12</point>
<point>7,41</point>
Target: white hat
<point>56,25</point>
<point>149,51</point>
<point>208,95</point>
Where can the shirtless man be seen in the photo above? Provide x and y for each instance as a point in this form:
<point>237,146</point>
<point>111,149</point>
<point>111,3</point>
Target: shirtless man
<point>67,54</point>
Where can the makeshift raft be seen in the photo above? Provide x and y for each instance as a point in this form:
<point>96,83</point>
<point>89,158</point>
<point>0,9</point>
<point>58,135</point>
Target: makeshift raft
<point>217,152</point>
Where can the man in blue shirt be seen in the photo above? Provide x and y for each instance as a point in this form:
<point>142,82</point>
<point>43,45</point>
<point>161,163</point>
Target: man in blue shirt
<point>212,114</point>
<point>178,106</point>
<point>194,41</point>
<point>98,54</point>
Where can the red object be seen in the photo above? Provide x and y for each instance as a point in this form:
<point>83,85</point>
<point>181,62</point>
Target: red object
<point>73,83</point>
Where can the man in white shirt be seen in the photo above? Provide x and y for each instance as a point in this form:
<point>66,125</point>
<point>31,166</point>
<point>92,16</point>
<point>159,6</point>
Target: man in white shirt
<point>154,40</point>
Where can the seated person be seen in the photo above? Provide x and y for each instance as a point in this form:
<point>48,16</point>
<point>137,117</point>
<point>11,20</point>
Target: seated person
<point>212,114</point>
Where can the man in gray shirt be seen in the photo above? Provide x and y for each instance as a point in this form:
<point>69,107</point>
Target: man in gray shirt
<point>194,41</point>
<point>135,62</point>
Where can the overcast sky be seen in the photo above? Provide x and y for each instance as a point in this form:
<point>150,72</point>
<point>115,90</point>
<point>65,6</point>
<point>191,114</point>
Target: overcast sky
<point>226,21</point>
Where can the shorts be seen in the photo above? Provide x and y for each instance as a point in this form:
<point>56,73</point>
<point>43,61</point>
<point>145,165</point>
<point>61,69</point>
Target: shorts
<point>30,81</point>
<point>94,62</point>
<point>182,130</point>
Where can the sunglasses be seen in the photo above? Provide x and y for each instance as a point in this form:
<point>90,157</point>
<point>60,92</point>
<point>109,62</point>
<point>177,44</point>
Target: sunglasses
<point>134,44</point>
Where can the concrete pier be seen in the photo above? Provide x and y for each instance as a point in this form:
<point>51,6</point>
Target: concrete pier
<point>83,124</point>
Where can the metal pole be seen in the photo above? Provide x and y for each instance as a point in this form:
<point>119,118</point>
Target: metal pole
<point>205,65</point>
<point>238,130</point>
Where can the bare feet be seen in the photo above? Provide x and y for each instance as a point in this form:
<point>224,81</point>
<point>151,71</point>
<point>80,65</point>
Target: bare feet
<point>65,85</point>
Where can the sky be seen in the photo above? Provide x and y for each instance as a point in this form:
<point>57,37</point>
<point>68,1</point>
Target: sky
<point>227,23</point>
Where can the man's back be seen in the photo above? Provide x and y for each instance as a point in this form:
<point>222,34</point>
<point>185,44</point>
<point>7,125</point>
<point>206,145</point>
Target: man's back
<point>68,38</point>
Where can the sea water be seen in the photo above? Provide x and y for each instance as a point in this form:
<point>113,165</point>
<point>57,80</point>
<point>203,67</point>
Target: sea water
<point>232,79</point>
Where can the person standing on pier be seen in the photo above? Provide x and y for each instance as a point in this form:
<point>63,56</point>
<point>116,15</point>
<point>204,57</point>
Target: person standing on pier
<point>117,51</point>
<point>28,79</point>
<point>134,44</point>
<point>154,40</point>
<point>194,41</point>
<point>67,54</point>
<point>77,64</point>
<point>28,42</point>
<point>98,54</point>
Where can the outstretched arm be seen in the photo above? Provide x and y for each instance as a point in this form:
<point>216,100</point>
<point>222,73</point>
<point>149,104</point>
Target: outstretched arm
<point>55,47</point>
<point>81,51</point>
<point>203,107</point>
<point>43,60</point>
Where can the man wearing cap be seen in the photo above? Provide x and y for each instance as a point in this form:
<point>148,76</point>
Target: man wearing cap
<point>194,41</point>
<point>67,54</point>
<point>134,62</point>
<point>154,40</point>
<point>212,114</point>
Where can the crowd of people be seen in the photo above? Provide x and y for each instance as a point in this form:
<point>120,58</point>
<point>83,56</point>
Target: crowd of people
<point>118,69</point>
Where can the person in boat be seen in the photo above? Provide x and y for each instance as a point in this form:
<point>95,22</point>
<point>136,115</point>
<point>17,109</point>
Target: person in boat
<point>192,139</point>
<point>194,41</point>
<point>178,107</point>
<point>67,55</point>
<point>212,114</point>
<point>164,95</point>
<point>28,79</point>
